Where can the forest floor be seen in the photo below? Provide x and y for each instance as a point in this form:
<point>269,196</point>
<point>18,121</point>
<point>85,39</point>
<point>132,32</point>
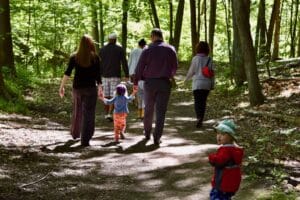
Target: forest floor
<point>39,160</point>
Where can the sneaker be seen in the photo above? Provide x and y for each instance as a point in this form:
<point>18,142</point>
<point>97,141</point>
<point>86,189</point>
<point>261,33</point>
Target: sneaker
<point>108,117</point>
<point>157,142</point>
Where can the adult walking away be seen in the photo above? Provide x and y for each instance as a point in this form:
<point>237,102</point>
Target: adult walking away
<point>202,72</point>
<point>112,56</point>
<point>87,77</point>
<point>132,63</point>
<point>134,58</point>
<point>157,66</point>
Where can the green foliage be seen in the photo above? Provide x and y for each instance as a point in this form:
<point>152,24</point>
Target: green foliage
<point>279,195</point>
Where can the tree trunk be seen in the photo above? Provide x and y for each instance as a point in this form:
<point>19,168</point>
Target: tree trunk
<point>198,18</point>
<point>36,37</point>
<point>261,30</point>
<point>178,24</point>
<point>95,29</point>
<point>54,42</point>
<point>238,67</point>
<point>28,32</point>
<point>275,54</point>
<point>298,52</point>
<point>205,19</point>
<point>293,28</point>
<point>274,16</point>
<point>101,23</point>
<point>2,86</point>
<point>193,25</point>
<point>242,16</point>
<point>124,24</point>
<point>6,46</point>
<point>212,23</point>
<point>227,16</point>
<point>154,13</point>
<point>171,22</point>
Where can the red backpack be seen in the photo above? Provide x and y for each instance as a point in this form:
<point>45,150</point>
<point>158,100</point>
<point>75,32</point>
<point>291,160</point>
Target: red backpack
<point>206,71</point>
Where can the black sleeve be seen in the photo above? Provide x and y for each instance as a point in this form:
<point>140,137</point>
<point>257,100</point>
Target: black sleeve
<point>98,71</point>
<point>70,66</point>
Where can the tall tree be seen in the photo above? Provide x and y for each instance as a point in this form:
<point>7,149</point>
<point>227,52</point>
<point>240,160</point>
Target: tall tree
<point>228,27</point>
<point>298,52</point>
<point>6,46</point>
<point>238,67</point>
<point>178,24</point>
<point>275,54</point>
<point>261,30</point>
<point>193,25</point>
<point>293,26</point>
<point>274,17</point>
<point>154,13</point>
<point>204,7</point>
<point>171,21</point>
<point>212,23</point>
<point>95,28</point>
<point>242,16</point>
<point>101,23</point>
<point>125,7</point>
<point>28,31</point>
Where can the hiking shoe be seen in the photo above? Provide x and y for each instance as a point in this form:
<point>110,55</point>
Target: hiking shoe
<point>108,117</point>
<point>157,142</point>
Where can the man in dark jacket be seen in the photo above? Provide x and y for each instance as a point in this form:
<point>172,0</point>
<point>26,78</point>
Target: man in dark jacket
<point>112,56</point>
<point>157,66</point>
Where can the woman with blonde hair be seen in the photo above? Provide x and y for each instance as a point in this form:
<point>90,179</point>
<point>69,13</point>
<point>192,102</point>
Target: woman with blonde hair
<point>87,78</point>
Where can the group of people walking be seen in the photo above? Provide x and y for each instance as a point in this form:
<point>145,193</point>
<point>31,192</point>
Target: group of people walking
<point>151,69</point>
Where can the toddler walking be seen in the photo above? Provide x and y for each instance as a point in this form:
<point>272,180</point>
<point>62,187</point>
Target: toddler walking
<point>120,102</point>
<point>227,163</point>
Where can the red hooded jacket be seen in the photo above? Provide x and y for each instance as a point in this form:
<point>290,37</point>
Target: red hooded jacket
<point>227,162</point>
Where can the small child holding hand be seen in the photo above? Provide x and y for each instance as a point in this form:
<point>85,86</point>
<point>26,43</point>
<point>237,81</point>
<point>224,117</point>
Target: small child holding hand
<point>227,163</point>
<point>120,102</point>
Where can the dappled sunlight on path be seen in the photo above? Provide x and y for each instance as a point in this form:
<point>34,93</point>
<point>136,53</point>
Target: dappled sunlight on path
<point>178,169</point>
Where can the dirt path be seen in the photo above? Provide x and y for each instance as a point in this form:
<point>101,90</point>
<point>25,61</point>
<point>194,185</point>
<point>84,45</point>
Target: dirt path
<point>39,161</point>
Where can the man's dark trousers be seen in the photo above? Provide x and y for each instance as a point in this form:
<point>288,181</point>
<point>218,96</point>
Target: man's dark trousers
<point>156,95</point>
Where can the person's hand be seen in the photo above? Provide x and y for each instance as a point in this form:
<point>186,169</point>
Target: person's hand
<point>100,91</point>
<point>135,89</point>
<point>61,92</point>
<point>133,92</point>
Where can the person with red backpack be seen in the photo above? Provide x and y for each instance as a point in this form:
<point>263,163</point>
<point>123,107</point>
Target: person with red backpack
<point>202,72</point>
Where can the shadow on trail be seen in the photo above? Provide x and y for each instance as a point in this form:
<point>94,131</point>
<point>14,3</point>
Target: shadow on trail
<point>139,147</point>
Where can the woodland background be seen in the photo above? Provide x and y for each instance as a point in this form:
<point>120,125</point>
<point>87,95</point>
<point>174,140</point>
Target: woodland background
<point>255,45</point>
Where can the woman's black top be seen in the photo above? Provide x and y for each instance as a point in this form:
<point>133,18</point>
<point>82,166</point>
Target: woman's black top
<point>85,77</point>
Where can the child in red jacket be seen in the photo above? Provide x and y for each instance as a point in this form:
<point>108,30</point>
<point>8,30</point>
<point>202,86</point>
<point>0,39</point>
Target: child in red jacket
<point>227,163</point>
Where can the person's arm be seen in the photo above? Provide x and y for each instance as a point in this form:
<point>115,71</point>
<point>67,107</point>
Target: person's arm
<point>108,101</point>
<point>66,76</point>
<point>220,158</point>
<point>174,63</point>
<point>191,71</point>
<point>140,69</point>
<point>62,86</point>
<point>98,78</point>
